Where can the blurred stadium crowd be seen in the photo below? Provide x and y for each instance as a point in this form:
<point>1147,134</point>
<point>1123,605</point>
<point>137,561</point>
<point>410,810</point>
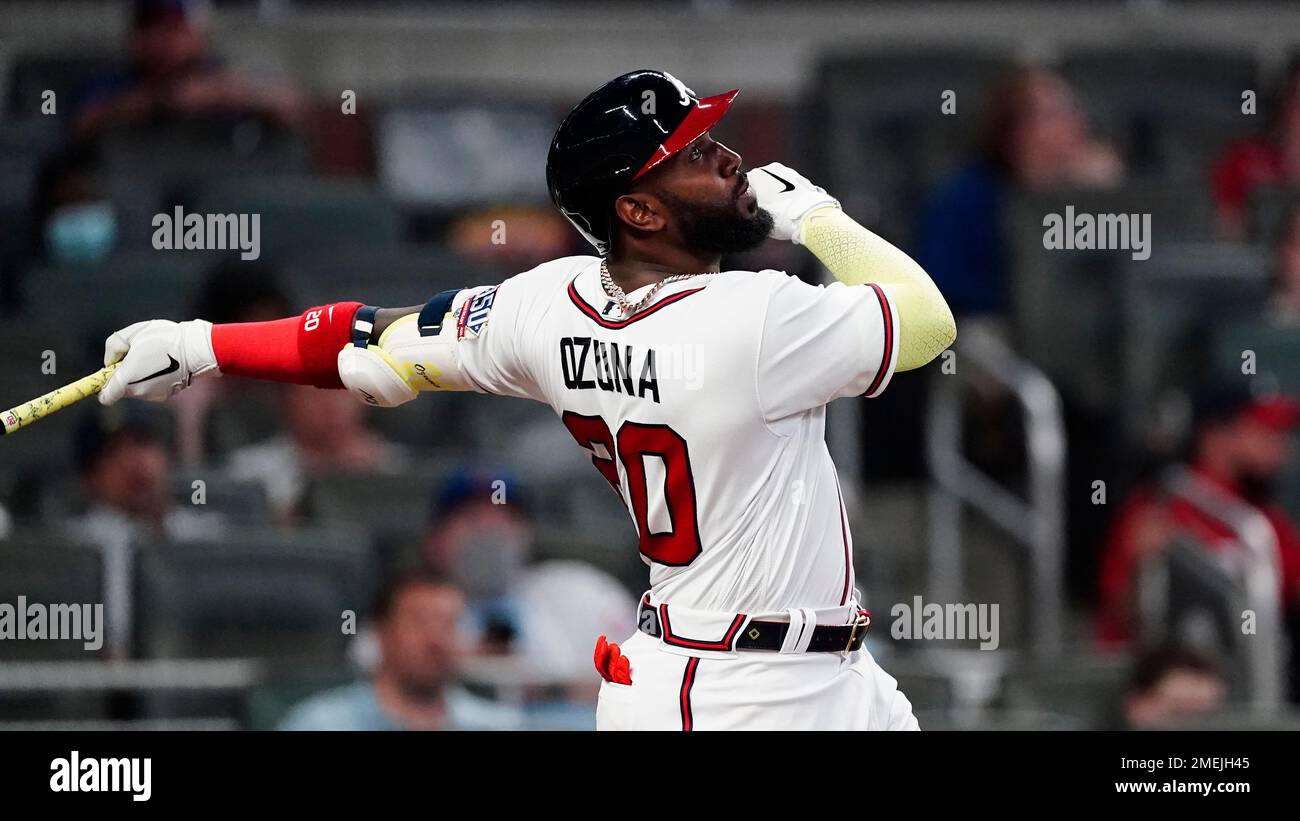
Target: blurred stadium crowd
<point>231,532</point>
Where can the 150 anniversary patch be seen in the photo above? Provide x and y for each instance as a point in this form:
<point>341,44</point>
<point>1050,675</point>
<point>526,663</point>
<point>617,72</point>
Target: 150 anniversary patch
<point>473,314</point>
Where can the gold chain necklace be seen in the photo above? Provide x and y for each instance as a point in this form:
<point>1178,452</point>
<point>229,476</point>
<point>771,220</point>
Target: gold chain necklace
<point>616,293</point>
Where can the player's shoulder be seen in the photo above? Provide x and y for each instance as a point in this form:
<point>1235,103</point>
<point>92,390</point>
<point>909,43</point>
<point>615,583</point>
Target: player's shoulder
<point>534,292</point>
<point>775,284</point>
<point>751,280</point>
<point>759,286</point>
<point>735,302</point>
<point>553,271</point>
<point>755,298</point>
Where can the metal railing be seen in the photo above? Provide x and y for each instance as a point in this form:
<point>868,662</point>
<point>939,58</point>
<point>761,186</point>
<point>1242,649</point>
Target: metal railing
<point>144,674</point>
<point>1036,524</point>
<point>1254,570</point>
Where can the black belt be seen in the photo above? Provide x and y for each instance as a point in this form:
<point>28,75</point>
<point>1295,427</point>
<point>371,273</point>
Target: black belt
<point>769,635</point>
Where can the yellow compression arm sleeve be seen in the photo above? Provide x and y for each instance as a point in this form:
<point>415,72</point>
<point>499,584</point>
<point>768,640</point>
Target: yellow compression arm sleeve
<point>856,256</point>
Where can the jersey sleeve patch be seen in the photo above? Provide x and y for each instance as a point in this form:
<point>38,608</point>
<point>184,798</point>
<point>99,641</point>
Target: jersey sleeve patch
<point>472,317</point>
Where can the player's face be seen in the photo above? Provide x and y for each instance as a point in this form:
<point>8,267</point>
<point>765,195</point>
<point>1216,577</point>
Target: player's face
<point>706,172</point>
<point>708,198</point>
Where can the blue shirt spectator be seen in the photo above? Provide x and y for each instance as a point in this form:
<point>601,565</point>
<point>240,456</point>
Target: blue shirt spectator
<point>416,683</point>
<point>961,243</point>
<point>357,707</point>
<point>1033,136</point>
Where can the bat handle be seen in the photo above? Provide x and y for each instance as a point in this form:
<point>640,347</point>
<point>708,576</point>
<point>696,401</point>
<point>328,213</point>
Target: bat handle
<point>57,399</point>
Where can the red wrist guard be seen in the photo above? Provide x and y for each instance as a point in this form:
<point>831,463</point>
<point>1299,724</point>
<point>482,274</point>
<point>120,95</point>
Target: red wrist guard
<point>301,349</point>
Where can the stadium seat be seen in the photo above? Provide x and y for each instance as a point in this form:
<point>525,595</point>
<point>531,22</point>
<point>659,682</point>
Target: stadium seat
<point>136,201</point>
<point>1006,720</point>
<point>23,145</point>
<point>1269,206</point>
<point>392,277</point>
<point>23,378</point>
<point>614,552</point>
<point>266,704</point>
<point>303,214</point>
<point>889,527</point>
<point>1241,719</point>
<point>241,503</point>
<point>1174,304</point>
<point>997,570</point>
<point>48,569</point>
<point>255,593</point>
<point>1080,683</point>
<point>63,73</point>
<point>375,501</point>
<point>1170,108</point>
<point>463,152</point>
<point>1081,351</point>
<point>178,154</point>
<point>1276,350</point>
<point>98,299</point>
<point>248,412</point>
<point>928,691</point>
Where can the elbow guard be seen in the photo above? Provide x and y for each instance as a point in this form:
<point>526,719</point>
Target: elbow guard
<point>418,352</point>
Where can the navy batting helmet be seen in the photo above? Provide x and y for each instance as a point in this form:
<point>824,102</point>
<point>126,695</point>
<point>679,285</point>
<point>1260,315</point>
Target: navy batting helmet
<point>618,133</point>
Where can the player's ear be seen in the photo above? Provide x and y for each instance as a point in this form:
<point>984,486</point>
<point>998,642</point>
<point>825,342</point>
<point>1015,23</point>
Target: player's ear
<point>641,211</point>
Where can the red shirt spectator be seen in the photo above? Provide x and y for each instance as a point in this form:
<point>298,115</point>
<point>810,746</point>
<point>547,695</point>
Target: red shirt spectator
<point>1272,158</point>
<point>1245,166</point>
<point>1241,446</point>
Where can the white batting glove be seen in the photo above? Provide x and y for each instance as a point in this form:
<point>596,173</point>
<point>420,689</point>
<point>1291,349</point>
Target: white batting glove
<point>789,197</point>
<point>158,359</point>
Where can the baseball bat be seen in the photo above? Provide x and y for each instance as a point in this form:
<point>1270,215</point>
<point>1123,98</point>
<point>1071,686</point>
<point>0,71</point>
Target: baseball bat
<point>57,399</point>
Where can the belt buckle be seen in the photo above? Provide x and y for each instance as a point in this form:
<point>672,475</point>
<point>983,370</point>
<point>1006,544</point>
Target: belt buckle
<point>862,622</point>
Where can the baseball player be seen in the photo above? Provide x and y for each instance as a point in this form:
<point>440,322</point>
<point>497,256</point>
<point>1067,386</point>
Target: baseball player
<point>699,394</point>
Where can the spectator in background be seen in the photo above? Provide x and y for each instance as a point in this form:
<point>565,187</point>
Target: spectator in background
<point>73,220</point>
<point>548,613</point>
<point>1284,302</point>
<point>1170,686</point>
<point>234,290</point>
<point>173,75</point>
<point>126,471</point>
<point>1032,137</point>
<point>122,456</point>
<point>414,687</point>
<point>237,290</point>
<point>325,434</point>
<point>1271,157</point>
<point>1240,444</point>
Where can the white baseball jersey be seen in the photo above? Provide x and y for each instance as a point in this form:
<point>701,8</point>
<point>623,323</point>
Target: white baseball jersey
<point>705,411</point>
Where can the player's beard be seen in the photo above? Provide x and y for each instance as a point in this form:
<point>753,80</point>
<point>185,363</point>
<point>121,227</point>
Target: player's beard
<point>718,229</point>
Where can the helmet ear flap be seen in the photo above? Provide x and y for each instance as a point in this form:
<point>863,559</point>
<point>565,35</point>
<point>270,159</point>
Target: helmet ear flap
<point>598,235</point>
